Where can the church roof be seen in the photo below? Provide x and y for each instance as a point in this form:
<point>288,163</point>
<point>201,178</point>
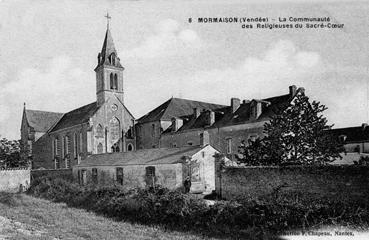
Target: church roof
<point>176,107</point>
<point>41,121</point>
<point>151,156</point>
<point>76,116</point>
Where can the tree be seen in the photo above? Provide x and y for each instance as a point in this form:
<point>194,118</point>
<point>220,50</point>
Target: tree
<point>296,135</point>
<point>10,154</point>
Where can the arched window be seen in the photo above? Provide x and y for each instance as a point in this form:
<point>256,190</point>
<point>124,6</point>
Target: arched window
<point>115,148</point>
<point>115,81</point>
<point>111,81</point>
<point>99,131</point>
<point>114,130</point>
<point>100,148</point>
<point>130,147</point>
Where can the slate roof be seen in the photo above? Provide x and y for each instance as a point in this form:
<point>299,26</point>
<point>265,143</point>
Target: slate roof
<point>152,156</point>
<point>353,134</point>
<point>76,116</point>
<point>41,121</point>
<point>176,107</point>
<point>225,117</point>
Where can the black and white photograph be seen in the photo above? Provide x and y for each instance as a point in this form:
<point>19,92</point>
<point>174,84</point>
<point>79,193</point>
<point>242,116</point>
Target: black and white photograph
<point>184,119</point>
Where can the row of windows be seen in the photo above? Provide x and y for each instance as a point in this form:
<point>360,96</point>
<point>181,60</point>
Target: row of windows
<point>228,143</point>
<point>119,175</point>
<point>58,163</point>
<point>62,145</point>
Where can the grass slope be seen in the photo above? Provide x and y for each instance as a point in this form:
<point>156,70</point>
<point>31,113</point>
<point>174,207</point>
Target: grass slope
<point>26,217</point>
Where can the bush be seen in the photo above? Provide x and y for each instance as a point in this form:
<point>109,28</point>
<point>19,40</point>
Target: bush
<point>157,205</point>
<point>9,199</point>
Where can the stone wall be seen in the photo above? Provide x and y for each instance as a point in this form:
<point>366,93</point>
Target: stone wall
<point>52,173</point>
<point>14,180</point>
<point>252,182</point>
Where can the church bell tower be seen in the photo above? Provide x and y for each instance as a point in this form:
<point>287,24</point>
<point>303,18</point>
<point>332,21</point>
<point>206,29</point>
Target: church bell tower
<point>109,71</point>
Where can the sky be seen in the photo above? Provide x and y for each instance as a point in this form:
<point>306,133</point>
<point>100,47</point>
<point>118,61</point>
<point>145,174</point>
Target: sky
<point>49,51</point>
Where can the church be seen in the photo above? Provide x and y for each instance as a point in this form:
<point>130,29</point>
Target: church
<point>56,140</point>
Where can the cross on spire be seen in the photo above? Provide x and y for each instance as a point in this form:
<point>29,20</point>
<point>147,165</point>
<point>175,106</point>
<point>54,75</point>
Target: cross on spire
<point>108,17</point>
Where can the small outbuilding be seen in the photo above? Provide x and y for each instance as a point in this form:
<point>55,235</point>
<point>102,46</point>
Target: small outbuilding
<point>164,166</point>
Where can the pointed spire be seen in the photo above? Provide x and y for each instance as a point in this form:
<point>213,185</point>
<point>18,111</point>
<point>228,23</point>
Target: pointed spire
<point>106,56</point>
<point>108,46</point>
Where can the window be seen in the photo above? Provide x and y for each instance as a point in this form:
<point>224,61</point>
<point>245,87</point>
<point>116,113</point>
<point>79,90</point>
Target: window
<point>67,163</point>
<point>57,163</point>
<point>130,147</point>
<point>342,138</point>
<point>150,175</point>
<point>79,176</point>
<point>153,130</point>
<point>57,147</point>
<point>29,148</point>
<point>66,145</point>
<point>80,142</point>
<point>100,148</point>
<point>94,175</point>
<point>75,145</point>
<point>189,143</point>
<point>114,130</point>
<point>119,174</point>
<point>111,81</point>
<point>150,171</point>
<point>229,145</point>
<point>115,81</point>
<point>115,147</point>
<point>83,177</point>
<point>99,131</point>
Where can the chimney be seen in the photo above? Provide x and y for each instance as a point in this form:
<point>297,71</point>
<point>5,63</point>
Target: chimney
<point>235,104</point>
<point>176,124</point>
<point>204,139</point>
<point>293,90</point>
<point>256,109</point>
<point>301,89</point>
<point>210,117</point>
<point>245,101</point>
<point>196,112</point>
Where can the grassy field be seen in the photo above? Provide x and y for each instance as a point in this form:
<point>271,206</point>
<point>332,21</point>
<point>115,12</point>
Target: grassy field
<point>26,217</point>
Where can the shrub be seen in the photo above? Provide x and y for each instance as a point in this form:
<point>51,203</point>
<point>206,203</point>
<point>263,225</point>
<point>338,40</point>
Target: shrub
<point>273,213</point>
<point>8,199</point>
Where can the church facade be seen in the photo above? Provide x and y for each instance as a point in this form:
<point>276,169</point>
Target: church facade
<point>103,126</point>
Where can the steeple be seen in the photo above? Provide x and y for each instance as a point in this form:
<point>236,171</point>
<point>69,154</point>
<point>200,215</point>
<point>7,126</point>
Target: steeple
<point>109,71</point>
<point>108,54</point>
